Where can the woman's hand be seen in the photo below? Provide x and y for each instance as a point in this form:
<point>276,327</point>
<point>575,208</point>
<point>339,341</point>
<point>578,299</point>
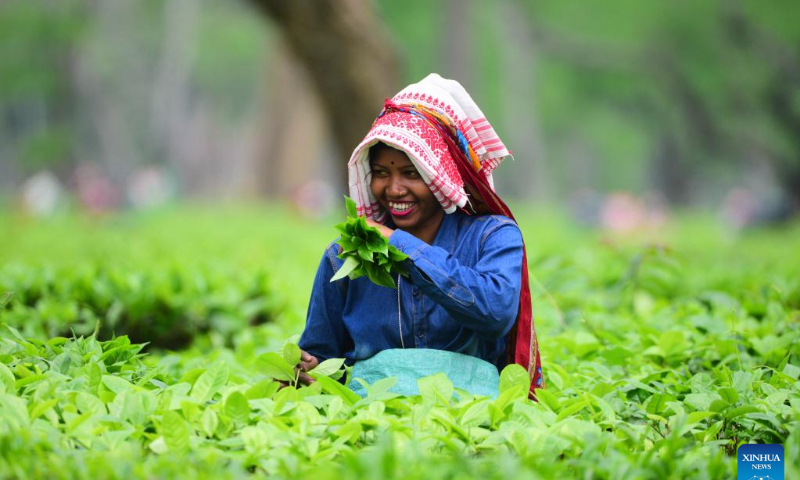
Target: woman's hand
<point>307,362</point>
<point>385,231</point>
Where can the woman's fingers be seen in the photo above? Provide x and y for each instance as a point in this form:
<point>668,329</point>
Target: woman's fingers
<point>307,361</point>
<point>305,379</point>
<point>385,231</point>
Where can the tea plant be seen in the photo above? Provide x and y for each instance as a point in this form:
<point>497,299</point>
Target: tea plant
<point>660,358</point>
<point>165,306</point>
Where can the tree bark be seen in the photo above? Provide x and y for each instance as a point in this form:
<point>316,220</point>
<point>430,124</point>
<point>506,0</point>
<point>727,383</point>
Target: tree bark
<point>350,61</point>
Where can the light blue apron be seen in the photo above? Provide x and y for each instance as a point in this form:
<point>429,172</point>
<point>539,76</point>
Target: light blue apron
<point>472,374</point>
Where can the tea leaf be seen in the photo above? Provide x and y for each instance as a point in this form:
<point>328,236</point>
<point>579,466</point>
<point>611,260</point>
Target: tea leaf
<point>350,264</point>
<point>739,411</point>
<point>352,209</point>
<point>729,395</point>
<point>7,379</point>
<point>210,422</point>
<point>514,375</point>
<point>237,408</point>
<point>175,432</point>
<point>275,366</point>
<point>436,388</point>
<point>209,383</point>
<point>327,367</point>
<point>658,403</point>
<point>291,353</point>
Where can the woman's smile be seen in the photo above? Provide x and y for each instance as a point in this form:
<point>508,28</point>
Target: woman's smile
<point>401,209</point>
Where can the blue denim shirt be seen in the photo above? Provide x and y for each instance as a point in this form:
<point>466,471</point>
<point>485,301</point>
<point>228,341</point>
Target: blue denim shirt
<point>462,295</point>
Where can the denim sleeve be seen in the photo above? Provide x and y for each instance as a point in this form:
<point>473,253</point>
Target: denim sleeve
<point>484,297</point>
<point>325,335</point>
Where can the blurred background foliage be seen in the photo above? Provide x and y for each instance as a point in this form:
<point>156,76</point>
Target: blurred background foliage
<point>108,105</point>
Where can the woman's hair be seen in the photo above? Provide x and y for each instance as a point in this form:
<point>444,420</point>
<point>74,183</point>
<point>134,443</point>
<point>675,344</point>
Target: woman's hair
<point>377,149</point>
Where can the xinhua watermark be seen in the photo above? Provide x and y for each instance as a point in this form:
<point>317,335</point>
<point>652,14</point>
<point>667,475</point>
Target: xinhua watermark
<point>760,462</point>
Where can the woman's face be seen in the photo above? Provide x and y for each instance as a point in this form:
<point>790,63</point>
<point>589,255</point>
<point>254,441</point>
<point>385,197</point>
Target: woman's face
<point>401,191</point>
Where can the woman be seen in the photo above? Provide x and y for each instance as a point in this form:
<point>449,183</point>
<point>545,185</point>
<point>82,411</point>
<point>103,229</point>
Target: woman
<point>422,176</point>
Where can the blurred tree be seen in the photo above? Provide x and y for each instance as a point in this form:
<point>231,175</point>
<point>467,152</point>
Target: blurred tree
<point>709,83</point>
<point>37,101</point>
<point>123,85</point>
<point>754,37</point>
<point>689,98</point>
<point>351,62</point>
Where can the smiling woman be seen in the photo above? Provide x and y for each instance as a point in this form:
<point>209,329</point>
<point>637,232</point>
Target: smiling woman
<point>423,177</point>
<point>400,190</point>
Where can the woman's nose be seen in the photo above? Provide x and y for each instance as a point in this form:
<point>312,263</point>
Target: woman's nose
<point>396,187</point>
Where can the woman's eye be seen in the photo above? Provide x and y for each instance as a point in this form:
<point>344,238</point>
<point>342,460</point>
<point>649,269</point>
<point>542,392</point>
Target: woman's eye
<point>379,174</point>
<point>413,174</point>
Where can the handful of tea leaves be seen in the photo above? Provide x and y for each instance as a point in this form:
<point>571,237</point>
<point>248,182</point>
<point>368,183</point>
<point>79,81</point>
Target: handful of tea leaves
<point>366,251</point>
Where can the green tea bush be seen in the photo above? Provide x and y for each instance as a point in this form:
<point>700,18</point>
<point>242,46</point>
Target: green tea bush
<point>660,359</point>
<point>101,410</point>
<point>165,306</point>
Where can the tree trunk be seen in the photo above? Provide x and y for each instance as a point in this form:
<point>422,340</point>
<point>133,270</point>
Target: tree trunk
<point>528,176</point>
<point>668,170</point>
<point>291,149</point>
<point>350,61</point>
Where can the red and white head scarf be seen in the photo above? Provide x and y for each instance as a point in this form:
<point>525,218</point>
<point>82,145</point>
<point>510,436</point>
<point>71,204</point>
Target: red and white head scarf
<point>424,145</point>
<point>432,121</point>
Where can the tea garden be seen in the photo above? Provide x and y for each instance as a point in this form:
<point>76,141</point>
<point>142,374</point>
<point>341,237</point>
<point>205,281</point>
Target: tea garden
<point>151,345</point>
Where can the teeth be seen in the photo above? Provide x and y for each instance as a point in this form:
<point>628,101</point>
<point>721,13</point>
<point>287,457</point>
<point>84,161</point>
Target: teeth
<point>400,207</point>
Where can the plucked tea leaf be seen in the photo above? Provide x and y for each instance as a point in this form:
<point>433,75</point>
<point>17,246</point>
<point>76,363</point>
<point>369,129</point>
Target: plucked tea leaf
<point>360,229</point>
<point>379,245</point>
<point>347,244</point>
<point>352,209</point>
<point>396,255</point>
<point>366,252</point>
<point>350,264</point>
<point>342,228</point>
